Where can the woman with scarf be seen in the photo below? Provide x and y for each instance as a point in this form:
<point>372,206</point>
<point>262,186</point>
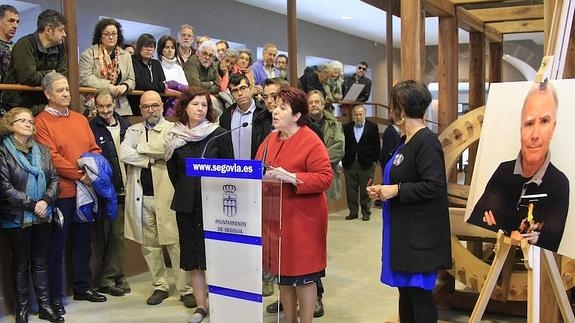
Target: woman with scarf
<point>191,133</point>
<point>28,189</point>
<point>175,77</point>
<point>106,64</point>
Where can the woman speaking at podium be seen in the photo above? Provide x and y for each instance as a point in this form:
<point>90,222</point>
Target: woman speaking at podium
<point>190,137</point>
<point>296,155</point>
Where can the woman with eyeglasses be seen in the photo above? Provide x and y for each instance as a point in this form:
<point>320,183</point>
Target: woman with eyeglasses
<point>28,190</point>
<point>191,137</point>
<point>201,69</point>
<point>149,72</point>
<point>106,64</point>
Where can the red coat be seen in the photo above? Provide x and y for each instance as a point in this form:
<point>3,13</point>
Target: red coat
<point>303,231</point>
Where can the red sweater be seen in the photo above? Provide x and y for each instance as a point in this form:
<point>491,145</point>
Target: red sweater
<point>68,138</point>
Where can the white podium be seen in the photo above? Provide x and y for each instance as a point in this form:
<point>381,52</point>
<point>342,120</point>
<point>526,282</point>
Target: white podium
<point>237,208</point>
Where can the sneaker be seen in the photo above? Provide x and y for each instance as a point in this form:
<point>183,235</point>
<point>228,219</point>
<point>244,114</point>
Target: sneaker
<point>198,315</point>
<point>267,288</point>
<point>274,307</point>
<point>157,297</point>
<point>318,312</point>
<point>189,300</point>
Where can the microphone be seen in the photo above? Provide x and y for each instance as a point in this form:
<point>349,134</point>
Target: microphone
<point>243,125</point>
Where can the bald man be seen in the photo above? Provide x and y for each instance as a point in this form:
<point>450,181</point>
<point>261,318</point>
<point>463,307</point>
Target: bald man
<point>529,197</point>
<point>149,219</point>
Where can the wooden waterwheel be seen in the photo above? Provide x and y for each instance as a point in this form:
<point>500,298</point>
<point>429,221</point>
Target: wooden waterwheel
<point>471,268</point>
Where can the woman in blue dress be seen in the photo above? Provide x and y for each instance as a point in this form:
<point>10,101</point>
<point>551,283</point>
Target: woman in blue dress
<point>416,234</point>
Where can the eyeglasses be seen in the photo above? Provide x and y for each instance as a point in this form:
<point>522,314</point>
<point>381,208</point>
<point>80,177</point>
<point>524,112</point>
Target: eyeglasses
<point>153,107</point>
<point>272,96</point>
<point>239,89</point>
<point>104,106</point>
<point>25,121</point>
<point>206,53</point>
<point>361,68</point>
<point>110,35</point>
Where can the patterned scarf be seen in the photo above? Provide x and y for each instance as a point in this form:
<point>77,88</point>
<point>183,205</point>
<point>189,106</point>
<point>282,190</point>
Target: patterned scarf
<point>181,134</point>
<point>110,67</point>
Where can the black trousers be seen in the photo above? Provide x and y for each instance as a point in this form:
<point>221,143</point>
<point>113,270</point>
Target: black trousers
<point>416,305</point>
<point>29,243</point>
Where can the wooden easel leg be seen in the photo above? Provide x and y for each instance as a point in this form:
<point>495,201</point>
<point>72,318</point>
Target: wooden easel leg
<point>558,287</point>
<point>533,283</point>
<point>491,279</point>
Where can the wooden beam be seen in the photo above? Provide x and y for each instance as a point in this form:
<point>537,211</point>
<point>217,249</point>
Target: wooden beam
<point>492,34</point>
<point>392,7</point>
<point>69,9</point>
<point>467,21</point>
<point>439,8</point>
<point>292,41</point>
<point>517,27</point>
<point>509,13</point>
<point>495,62</point>
<point>448,58</point>
<point>463,2</point>
<point>412,42</point>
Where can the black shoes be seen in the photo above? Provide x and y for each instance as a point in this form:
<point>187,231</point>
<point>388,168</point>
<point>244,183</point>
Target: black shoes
<point>90,296</point>
<point>112,290</point>
<point>351,217</point>
<point>57,306</point>
<point>274,307</point>
<point>189,300</point>
<point>318,312</point>
<point>123,284</point>
<point>365,218</point>
<point>47,313</point>
<point>157,297</point>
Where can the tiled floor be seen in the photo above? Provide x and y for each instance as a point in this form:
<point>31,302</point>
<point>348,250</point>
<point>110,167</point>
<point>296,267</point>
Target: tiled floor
<point>353,292</point>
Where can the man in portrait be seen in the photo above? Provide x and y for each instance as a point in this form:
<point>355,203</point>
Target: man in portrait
<point>529,197</point>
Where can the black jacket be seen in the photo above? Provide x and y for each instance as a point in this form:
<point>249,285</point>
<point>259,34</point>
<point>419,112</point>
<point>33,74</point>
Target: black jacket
<point>348,81</point>
<point>187,189</point>
<point>420,233</point>
<point>13,198</point>
<point>146,81</point>
<point>106,143</point>
<point>366,150</point>
<point>261,124</point>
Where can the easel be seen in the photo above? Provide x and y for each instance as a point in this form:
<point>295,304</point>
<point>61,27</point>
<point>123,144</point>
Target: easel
<point>551,68</point>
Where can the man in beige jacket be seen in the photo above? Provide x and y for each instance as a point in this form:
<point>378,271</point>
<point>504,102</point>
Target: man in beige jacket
<point>149,219</point>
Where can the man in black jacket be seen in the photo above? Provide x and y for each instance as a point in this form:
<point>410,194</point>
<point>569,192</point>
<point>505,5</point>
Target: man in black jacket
<point>245,140</point>
<point>358,77</point>
<point>109,129</point>
<point>361,153</point>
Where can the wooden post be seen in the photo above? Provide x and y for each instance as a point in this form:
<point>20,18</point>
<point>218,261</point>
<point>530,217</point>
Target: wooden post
<point>69,9</point>
<point>448,58</point>
<point>412,42</point>
<point>495,61</point>
<point>292,41</point>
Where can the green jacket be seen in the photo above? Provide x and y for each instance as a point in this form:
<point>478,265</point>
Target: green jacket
<point>335,142</point>
<point>30,63</point>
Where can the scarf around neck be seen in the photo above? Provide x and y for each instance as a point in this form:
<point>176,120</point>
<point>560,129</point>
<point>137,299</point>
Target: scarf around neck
<point>181,134</point>
<point>110,67</point>
<point>35,181</point>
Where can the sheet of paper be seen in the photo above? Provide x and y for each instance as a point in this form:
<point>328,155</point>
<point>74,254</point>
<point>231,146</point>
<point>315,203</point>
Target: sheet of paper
<point>353,92</point>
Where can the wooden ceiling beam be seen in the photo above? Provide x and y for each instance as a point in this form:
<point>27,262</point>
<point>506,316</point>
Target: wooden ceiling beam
<point>509,13</point>
<point>464,2</point>
<point>467,21</point>
<point>517,27</point>
<point>439,8</point>
<point>492,35</point>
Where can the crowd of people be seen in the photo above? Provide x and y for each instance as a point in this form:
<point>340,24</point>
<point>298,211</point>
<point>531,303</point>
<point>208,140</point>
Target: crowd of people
<point>213,89</point>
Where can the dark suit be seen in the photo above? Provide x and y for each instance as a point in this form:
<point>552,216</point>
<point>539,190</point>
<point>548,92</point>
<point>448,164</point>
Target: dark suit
<point>350,80</point>
<point>359,163</point>
<point>261,124</point>
<point>502,195</point>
